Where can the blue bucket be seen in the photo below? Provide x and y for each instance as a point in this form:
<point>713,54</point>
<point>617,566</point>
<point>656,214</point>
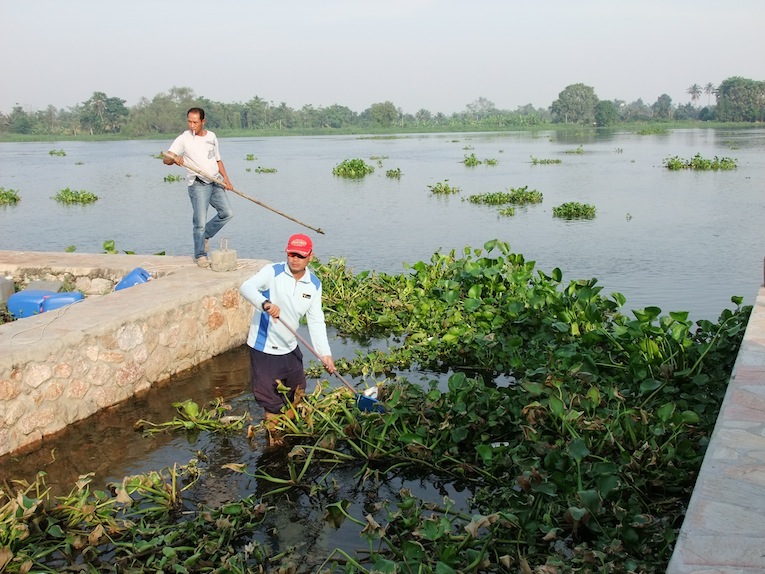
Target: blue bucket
<point>136,276</point>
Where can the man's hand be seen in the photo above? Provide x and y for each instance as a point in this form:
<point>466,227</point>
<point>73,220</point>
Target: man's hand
<point>169,158</point>
<point>271,309</point>
<point>329,364</point>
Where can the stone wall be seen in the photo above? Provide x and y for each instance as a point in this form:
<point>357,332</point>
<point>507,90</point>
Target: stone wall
<point>64,365</point>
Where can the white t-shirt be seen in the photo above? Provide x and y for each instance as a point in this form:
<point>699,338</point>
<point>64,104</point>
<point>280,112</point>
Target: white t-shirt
<point>200,152</point>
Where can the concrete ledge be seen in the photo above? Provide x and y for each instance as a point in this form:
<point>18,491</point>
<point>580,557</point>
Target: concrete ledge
<point>64,365</point>
<point>724,527</point>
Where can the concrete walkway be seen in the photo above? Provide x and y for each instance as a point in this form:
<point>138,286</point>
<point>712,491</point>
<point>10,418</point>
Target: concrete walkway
<point>724,528</point>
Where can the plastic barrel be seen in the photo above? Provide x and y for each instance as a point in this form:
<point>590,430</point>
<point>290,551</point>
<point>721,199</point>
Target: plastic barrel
<point>27,303</point>
<point>58,300</point>
<point>136,276</point>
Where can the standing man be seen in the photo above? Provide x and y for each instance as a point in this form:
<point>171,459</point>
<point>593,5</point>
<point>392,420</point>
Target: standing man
<point>199,148</point>
<point>284,292</point>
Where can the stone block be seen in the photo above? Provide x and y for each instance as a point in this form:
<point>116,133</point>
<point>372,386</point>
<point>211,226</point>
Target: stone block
<point>223,259</point>
<point>54,286</point>
<point>7,288</point>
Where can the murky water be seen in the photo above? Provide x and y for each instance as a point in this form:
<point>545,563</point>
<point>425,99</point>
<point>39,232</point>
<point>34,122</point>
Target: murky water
<point>681,241</point>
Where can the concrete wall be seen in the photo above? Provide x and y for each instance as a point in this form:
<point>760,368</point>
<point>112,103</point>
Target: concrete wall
<point>64,365</point>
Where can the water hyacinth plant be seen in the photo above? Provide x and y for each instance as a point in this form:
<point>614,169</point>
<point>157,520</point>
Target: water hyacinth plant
<point>9,196</point>
<point>574,210</point>
<point>565,438</point>
<point>443,188</point>
<point>471,160</point>
<point>699,163</point>
<point>69,196</point>
<point>537,161</point>
<point>352,168</point>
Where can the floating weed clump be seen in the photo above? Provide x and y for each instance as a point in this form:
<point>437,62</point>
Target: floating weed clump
<point>578,151</point>
<point>490,161</point>
<point>393,173</point>
<point>584,462</point>
<point>537,161</point>
<point>507,211</point>
<point>574,210</point>
<point>591,454</point>
<point>653,131</point>
<point>699,163</point>
<point>9,196</point>
<point>173,177</point>
<point>265,170</point>
<point>58,152</point>
<point>69,196</point>
<point>136,526</point>
<point>524,195</point>
<point>352,168</point>
<point>490,198</point>
<point>471,160</point>
<point>250,157</point>
<point>191,417</point>
<point>443,188</point>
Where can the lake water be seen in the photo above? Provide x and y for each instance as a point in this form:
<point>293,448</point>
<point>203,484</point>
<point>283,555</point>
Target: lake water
<point>677,240</point>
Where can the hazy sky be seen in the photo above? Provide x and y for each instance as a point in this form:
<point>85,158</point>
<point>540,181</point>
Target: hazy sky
<point>435,54</point>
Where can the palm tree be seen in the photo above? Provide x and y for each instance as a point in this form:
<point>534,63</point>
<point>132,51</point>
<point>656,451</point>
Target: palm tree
<point>709,89</point>
<point>695,92</point>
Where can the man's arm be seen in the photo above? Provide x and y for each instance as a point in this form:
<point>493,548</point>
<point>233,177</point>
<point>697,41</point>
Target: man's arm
<point>222,171</point>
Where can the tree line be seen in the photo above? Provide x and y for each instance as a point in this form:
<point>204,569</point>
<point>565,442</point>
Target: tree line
<point>737,99</point>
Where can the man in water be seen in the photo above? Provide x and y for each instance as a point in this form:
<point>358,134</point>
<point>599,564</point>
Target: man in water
<point>197,147</point>
<point>284,292</point>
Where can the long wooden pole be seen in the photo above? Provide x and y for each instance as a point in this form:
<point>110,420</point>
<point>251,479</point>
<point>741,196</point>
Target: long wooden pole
<point>244,195</point>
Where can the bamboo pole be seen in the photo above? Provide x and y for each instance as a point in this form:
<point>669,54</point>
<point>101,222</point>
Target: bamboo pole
<point>244,195</point>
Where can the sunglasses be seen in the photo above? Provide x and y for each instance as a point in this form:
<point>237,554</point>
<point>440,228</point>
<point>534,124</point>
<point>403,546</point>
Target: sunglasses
<point>297,255</point>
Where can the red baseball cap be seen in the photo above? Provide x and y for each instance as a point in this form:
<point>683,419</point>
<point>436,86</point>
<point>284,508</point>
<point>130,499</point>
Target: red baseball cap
<point>300,244</point>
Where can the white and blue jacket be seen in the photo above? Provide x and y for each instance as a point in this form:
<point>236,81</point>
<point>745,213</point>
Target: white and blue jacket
<point>295,299</point>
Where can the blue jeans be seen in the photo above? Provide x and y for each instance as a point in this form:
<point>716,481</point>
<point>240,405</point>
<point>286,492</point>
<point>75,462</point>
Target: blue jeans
<point>201,196</point>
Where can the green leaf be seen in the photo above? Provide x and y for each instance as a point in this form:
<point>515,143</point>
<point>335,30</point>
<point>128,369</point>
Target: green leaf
<point>665,412</point>
<point>577,513</point>
<point>578,450</point>
<point>690,417</point>
<point>649,385</point>
<point>485,452</point>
